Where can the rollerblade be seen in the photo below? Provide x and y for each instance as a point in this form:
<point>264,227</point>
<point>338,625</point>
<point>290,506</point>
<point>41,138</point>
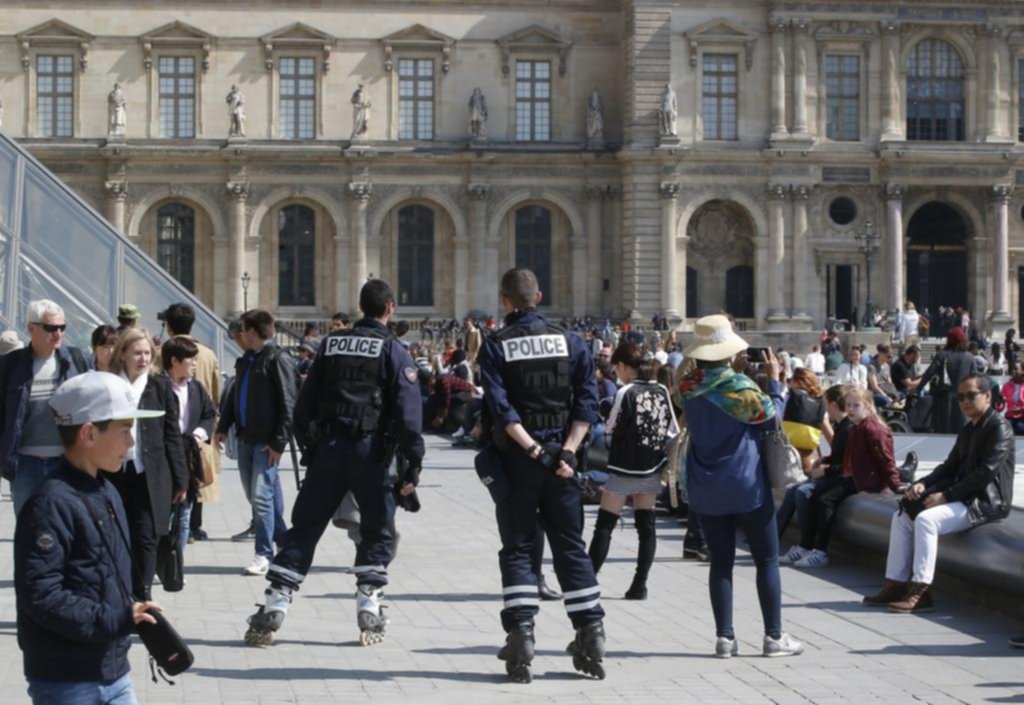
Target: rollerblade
<point>517,653</point>
<point>587,650</point>
<point>370,615</point>
<point>262,626</point>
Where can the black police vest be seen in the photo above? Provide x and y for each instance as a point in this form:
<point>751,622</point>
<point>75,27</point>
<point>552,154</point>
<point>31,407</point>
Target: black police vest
<point>350,391</point>
<point>537,374</point>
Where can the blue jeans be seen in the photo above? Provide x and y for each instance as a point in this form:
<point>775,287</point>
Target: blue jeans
<point>795,500</point>
<point>763,538</point>
<point>30,474</point>
<point>120,692</point>
<point>258,480</point>
<point>186,516</point>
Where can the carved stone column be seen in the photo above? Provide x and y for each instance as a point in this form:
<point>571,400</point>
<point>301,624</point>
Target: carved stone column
<point>342,290</point>
<point>595,248</point>
<point>777,197</point>
<point>578,276</point>
<point>360,198</point>
<point>117,195</point>
<point>478,284</point>
<point>668,190</point>
<point>993,129</point>
<point>779,28</point>
<point>800,130</point>
<point>891,129</point>
<point>1001,318</point>
<point>801,272</point>
<point>682,278</point>
<point>894,246</point>
<point>238,192</point>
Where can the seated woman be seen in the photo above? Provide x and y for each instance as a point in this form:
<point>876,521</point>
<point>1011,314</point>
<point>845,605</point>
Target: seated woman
<point>1013,394</point>
<point>868,466</point>
<point>805,419</point>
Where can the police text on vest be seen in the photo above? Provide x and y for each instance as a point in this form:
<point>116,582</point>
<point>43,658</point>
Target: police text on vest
<point>535,347</point>
<point>353,345</point>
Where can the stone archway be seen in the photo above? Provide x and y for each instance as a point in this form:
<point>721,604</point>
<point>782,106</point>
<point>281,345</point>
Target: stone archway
<point>423,228</point>
<point>720,249</point>
<point>203,234</point>
<point>937,259</point>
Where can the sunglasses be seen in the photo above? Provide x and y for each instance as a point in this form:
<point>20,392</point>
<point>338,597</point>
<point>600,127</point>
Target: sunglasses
<point>52,327</point>
<point>968,396</point>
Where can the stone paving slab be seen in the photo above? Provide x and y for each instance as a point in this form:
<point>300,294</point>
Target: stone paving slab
<point>444,601</point>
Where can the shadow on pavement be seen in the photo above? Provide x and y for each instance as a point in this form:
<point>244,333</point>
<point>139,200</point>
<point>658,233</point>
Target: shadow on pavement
<point>319,674</point>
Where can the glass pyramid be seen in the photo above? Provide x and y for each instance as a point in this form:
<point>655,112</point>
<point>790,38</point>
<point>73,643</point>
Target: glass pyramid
<point>53,245</point>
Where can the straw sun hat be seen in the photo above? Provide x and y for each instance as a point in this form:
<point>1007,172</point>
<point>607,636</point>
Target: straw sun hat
<point>714,340</point>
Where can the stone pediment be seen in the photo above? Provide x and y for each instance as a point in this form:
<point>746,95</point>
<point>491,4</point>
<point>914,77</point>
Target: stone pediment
<point>718,33</point>
<point>844,31</point>
<point>177,35</point>
<point>54,33</point>
<point>298,35</point>
<point>418,37</point>
<point>531,39</point>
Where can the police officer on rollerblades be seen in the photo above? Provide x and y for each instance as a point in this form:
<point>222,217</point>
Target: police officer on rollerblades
<point>360,400</point>
<point>542,397</point>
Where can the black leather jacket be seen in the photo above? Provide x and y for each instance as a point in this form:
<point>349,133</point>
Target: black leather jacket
<point>979,469</point>
<point>270,399</point>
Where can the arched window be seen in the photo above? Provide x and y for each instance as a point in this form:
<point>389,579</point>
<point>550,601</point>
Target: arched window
<point>416,256</point>
<point>176,243</point>
<point>739,291</point>
<point>533,246</point>
<point>296,253</point>
<point>692,292</point>
<point>935,92</point>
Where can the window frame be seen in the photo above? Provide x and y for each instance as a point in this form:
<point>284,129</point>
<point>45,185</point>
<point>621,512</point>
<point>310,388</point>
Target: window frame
<point>176,97</point>
<point>54,94</point>
<point>827,97</point>
<point>190,257</point>
<point>297,78</point>
<point>532,100</point>
<point>421,268</point>
<point>719,55</point>
<point>312,278</point>
<point>546,287</point>
<point>416,99</point>
<point>964,103</point>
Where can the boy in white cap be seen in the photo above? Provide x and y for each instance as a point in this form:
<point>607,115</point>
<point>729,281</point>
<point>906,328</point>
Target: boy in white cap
<point>72,570</point>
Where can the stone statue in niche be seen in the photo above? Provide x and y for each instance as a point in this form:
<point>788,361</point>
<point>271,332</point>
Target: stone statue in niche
<point>236,112</point>
<point>595,121</point>
<point>477,115</point>
<point>117,106</point>
<point>668,112</point>
<point>360,112</point>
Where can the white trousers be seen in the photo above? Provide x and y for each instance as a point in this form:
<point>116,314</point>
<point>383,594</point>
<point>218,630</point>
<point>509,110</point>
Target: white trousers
<point>914,545</point>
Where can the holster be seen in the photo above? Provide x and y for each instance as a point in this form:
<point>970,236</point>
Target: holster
<point>491,471</point>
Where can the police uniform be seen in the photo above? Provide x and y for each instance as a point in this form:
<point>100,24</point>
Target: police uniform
<point>363,394</point>
<point>536,374</point>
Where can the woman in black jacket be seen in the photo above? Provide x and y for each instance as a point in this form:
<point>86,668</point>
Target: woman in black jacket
<point>155,475</point>
<point>949,367</point>
<point>640,426</point>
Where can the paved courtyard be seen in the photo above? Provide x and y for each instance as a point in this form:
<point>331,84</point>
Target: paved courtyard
<point>444,634</point>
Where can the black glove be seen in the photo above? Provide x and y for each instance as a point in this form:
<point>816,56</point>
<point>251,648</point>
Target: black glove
<point>409,502</point>
<point>412,474</point>
<point>549,458</point>
<point>569,458</point>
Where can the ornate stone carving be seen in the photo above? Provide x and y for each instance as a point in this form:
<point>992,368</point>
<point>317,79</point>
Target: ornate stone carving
<point>668,112</point>
<point>1001,194</point>
<point>478,192</point>
<point>361,190</point>
<point>801,192</point>
<point>779,25</point>
<point>894,192</point>
<point>236,112</point>
<point>239,190</point>
<point>778,192</point>
<point>595,193</point>
<point>668,189</point>
<point>117,190</point>
<point>360,113</point>
<point>117,107</point>
<point>595,121</point>
<point>477,115</point>
<point>716,230</point>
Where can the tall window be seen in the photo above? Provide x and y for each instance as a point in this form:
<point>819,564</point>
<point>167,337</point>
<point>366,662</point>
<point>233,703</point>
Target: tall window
<point>177,96</point>
<point>935,92</point>
<point>55,81</point>
<point>416,256</point>
<point>533,101</point>
<point>718,96</point>
<point>298,98</point>
<point>176,243</point>
<point>692,292</point>
<point>739,291</point>
<point>533,246</point>
<point>842,88</point>
<point>415,99</point>
<point>1020,102</point>
<point>296,250</point>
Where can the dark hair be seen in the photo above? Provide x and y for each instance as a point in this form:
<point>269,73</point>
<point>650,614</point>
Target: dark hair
<point>996,349</point>
<point>632,355</point>
<point>605,369</point>
<point>180,318</point>
<point>911,349</point>
<point>177,348</point>
<point>458,356</point>
<point>69,434</point>
<point>235,327</point>
<point>519,285</point>
<point>260,321</point>
<point>982,382</point>
<point>883,348</point>
<point>342,317</point>
<point>401,328</point>
<point>374,298</point>
<point>837,395</point>
<point>310,327</point>
<point>104,335</point>
<point>665,376</point>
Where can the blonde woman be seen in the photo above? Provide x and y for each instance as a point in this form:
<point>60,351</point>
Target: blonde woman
<point>155,475</point>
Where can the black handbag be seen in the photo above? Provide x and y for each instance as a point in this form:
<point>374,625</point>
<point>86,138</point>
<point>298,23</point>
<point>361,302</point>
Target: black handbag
<point>912,507</point>
<point>170,563</point>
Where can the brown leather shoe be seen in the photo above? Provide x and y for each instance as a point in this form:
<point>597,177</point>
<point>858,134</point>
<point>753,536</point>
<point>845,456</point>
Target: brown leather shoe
<point>918,598</point>
<point>892,591</point>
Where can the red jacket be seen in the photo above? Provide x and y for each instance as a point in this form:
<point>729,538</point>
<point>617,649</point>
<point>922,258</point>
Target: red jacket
<point>869,457</point>
<point>1014,407</point>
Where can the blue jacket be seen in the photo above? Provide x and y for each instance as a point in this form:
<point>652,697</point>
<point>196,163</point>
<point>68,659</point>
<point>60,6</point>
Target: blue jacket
<point>74,617</point>
<point>725,473</point>
<point>15,387</point>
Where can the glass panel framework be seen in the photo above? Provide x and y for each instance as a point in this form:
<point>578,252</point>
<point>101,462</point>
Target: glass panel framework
<point>533,101</point>
<point>842,90</point>
<point>533,247</point>
<point>935,92</point>
<point>53,245</point>
<point>175,242</point>
<point>416,256</point>
<point>296,249</point>
<point>177,96</point>
<point>298,98</point>
<point>719,94</point>
<point>415,99</point>
<point>55,92</point>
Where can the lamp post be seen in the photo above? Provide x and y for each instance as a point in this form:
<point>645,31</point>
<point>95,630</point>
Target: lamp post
<point>245,290</point>
<point>867,242</point>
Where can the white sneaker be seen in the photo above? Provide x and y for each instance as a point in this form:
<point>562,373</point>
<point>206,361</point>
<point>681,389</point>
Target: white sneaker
<point>726,647</point>
<point>793,555</point>
<point>259,566</point>
<point>785,645</point>
<point>459,433</point>
<point>815,559</point>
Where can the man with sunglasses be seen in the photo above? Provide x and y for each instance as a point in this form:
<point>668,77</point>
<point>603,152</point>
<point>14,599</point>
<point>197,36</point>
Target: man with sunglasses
<point>30,446</point>
<point>972,487</point>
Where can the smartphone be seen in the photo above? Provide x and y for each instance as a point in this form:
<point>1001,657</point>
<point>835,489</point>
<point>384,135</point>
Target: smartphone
<point>756,354</point>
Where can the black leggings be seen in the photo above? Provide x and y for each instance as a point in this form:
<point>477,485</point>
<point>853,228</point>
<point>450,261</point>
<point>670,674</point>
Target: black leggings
<point>141,527</point>
<point>824,503</point>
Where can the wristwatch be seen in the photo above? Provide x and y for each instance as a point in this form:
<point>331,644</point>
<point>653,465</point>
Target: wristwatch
<point>532,450</point>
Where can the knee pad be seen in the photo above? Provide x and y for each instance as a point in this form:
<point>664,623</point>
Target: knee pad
<point>606,520</point>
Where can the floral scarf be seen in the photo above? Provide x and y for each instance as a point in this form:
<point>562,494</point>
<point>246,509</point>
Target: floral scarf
<point>735,394</point>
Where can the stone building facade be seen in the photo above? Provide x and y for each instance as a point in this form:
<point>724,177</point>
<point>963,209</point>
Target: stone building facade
<point>646,156</point>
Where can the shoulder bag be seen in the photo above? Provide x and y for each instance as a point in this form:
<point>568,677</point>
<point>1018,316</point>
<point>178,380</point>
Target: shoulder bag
<point>781,459</point>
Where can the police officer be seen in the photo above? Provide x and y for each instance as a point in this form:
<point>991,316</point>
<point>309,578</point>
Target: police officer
<point>360,400</point>
<point>541,395</point>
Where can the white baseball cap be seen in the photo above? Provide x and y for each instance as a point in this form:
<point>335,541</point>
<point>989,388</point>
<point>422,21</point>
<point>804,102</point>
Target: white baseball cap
<point>96,396</point>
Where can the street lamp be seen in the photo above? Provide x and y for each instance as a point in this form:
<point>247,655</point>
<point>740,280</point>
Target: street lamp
<point>245,290</point>
<point>867,242</point>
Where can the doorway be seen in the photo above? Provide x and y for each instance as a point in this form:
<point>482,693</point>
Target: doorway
<point>937,260</point>
<point>842,292</point>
